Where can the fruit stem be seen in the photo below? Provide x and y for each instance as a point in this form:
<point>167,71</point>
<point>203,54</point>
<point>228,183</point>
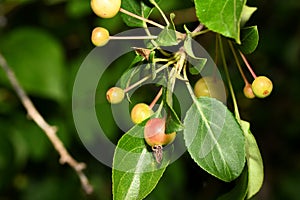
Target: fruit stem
<point>199,33</point>
<point>198,28</point>
<point>236,110</point>
<point>238,63</point>
<point>132,37</point>
<point>189,87</point>
<point>156,98</point>
<point>248,65</point>
<point>161,12</point>
<point>175,72</point>
<point>141,18</point>
<point>216,58</point>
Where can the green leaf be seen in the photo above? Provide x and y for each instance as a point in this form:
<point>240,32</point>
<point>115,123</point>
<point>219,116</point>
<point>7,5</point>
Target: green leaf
<point>173,123</point>
<point>135,171</point>
<point>249,39</point>
<point>198,63</point>
<point>37,60</point>
<point>239,192</point>
<point>214,139</point>
<point>246,14</point>
<point>221,16</point>
<point>127,76</point>
<point>167,37</point>
<point>254,162</point>
<point>137,7</point>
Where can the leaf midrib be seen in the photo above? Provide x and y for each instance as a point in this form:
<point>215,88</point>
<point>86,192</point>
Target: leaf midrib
<point>210,132</point>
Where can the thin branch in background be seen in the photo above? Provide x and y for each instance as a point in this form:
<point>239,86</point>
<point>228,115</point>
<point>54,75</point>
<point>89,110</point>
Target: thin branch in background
<point>50,131</point>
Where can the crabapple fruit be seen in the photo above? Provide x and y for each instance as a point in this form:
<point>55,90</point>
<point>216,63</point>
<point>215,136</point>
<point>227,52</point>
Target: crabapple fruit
<point>248,92</point>
<point>115,95</point>
<point>154,133</point>
<point>211,87</point>
<point>140,112</point>
<point>106,8</point>
<point>262,86</point>
<point>100,36</point>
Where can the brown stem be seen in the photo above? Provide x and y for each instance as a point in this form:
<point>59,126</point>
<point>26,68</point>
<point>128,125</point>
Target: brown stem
<point>50,131</point>
<point>156,98</point>
<point>248,65</point>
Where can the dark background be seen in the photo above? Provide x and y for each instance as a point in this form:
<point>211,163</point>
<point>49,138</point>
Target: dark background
<point>29,167</point>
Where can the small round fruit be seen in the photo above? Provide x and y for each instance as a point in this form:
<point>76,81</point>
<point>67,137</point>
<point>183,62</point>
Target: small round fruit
<point>140,112</point>
<point>115,95</point>
<point>154,133</point>
<point>262,86</point>
<point>100,36</point>
<point>106,8</point>
<point>210,86</point>
<point>248,92</point>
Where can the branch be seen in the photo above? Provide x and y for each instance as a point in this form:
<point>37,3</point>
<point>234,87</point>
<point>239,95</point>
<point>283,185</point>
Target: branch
<point>50,131</point>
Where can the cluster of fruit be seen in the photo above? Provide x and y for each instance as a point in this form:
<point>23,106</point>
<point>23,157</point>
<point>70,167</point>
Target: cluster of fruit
<point>154,131</point>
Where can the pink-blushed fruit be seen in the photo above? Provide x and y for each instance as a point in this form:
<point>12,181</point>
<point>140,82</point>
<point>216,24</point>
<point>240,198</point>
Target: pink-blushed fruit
<point>154,133</point>
<point>248,92</point>
<point>115,95</point>
<point>262,86</point>
<point>140,112</point>
<point>106,8</point>
<point>100,36</point>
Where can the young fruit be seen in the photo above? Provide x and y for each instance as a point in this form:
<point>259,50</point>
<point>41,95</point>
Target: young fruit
<point>140,112</point>
<point>248,92</point>
<point>100,36</point>
<point>154,133</point>
<point>106,8</point>
<point>262,86</point>
<point>211,87</point>
<point>115,95</point>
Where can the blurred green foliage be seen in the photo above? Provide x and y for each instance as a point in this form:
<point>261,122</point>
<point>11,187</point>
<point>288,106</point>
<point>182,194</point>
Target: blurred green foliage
<point>45,43</point>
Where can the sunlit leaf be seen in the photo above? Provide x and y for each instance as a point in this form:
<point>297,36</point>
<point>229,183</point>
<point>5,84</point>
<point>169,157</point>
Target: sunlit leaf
<point>135,171</point>
<point>246,14</point>
<point>214,139</point>
<point>221,16</point>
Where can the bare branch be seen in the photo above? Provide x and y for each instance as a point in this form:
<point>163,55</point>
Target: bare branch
<point>50,131</point>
